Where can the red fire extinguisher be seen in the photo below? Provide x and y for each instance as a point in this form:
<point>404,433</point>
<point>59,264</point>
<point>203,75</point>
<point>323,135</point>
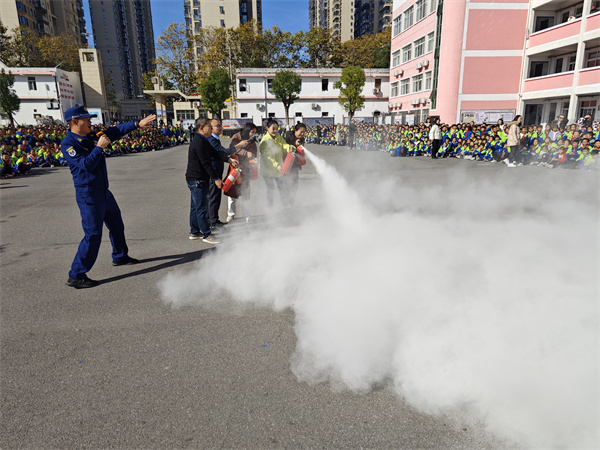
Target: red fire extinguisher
<point>301,156</point>
<point>253,169</point>
<point>287,164</point>
<point>232,177</point>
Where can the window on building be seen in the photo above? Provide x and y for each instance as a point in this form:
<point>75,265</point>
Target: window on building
<point>378,83</point>
<point>243,85</point>
<point>558,68</point>
<point>421,9</point>
<point>271,115</point>
<point>221,9</point>
<point>430,42</point>
<point>222,23</point>
<point>397,25</point>
<point>571,63</point>
<point>394,89</point>
<point>31,84</point>
<point>269,84</point>
<point>405,87</point>
<point>417,83</point>
<point>406,53</point>
<point>408,18</point>
<point>419,47</point>
<point>593,59</point>
<point>396,58</point>
<point>324,84</point>
<point>433,6</point>
<point>243,115</point>
<point>588,107</point>
<point>538,69</point>
<point>541,23</point>
<point>185,114</point>
<point>428,81</point>
<point>324,114</point>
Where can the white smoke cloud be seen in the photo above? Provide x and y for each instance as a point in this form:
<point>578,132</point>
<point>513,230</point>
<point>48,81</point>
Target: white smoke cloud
<point>472,299</point>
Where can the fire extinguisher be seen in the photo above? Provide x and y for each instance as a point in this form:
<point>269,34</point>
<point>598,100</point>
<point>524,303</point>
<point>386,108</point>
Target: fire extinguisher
<point>301,156</point>
<point>232,177</point>
<point>253,169</point>
<point>287,164</point>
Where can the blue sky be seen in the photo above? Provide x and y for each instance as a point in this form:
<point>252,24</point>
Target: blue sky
<point>289,15</point>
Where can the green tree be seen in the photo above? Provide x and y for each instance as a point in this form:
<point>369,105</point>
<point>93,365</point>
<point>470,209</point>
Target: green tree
<point>286,85</point>
<point>9,102</point>
<point>322,48</point>
<point>175,61</point>
<point>215,89</point>
<point>350,85</point>
<point>367,51</point>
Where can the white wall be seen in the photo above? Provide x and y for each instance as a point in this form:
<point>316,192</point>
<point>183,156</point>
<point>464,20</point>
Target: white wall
<point>62,91</point>
<point>313,101</point>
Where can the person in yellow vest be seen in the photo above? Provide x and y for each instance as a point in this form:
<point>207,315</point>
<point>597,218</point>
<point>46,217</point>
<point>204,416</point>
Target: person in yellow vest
<point>272,150</point>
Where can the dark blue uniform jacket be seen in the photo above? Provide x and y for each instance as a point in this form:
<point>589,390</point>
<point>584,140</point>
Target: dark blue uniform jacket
<point>86,160</point>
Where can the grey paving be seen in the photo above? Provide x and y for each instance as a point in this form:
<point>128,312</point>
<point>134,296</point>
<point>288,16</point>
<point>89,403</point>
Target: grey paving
<point>114,366</point>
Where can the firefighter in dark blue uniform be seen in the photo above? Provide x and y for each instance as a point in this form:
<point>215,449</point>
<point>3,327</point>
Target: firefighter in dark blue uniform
<point>96,203</point>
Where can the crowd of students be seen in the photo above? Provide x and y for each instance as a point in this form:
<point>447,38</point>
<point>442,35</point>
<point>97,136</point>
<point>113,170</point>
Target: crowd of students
<point>26,147</point>
<point>555,145</point>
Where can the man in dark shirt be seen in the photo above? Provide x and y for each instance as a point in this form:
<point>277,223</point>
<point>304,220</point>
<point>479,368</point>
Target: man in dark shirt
<point>199,175</point>
<point>214,193</point>
<point>351,134</point>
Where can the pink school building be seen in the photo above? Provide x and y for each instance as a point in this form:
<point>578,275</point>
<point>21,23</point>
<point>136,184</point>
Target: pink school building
<point>482,60</point>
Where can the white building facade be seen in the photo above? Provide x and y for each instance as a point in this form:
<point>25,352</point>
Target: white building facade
<point>318,99</point>
<point>45,93</point>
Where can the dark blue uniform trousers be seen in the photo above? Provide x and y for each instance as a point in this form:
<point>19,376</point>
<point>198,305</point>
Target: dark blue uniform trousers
<point>97,209</point>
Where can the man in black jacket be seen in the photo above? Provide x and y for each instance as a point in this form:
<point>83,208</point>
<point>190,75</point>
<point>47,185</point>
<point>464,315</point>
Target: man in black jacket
<point>214,193</point>
<point>199,174</point>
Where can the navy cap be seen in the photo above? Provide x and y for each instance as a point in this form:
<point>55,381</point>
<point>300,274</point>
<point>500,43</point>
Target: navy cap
<point>78,112</point>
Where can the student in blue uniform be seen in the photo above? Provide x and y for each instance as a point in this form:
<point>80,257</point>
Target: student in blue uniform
<point>96,203</point>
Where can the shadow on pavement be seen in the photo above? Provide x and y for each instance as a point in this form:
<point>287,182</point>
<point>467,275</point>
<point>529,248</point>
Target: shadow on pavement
<point>170,261</point>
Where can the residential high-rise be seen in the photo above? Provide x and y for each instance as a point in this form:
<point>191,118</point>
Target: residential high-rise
<point>46,17</point>
<point>222,13</point>
<point>334,15</point>
<point>371,17</point>
<point>350,19</point>
<point>123,35</point>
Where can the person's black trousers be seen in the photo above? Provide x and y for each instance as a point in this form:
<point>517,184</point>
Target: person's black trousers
<point>214,198</point>
<point>435,147</point>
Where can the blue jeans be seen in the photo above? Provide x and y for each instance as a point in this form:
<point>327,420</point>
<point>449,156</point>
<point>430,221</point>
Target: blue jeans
<point>199,207</point>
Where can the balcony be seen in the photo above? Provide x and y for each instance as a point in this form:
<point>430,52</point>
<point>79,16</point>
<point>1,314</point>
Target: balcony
<point>556,34</point>
<point>593,22</point>
<point>554,81</point>
<point>589,77</point>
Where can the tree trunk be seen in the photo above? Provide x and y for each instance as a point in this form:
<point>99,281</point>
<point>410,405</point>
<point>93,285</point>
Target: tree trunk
<point>287,116</point>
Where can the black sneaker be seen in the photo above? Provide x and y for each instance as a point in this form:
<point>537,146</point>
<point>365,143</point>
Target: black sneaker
<point>82,283</point>
<point>126,262</point>
<point>217,224</point>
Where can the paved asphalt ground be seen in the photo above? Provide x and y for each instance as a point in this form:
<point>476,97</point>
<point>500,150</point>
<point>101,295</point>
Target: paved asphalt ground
<point>114,366</point>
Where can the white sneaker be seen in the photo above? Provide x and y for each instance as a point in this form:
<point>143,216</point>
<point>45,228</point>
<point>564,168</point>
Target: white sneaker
<point>210,239</point>
<point>520,164</point>
<point>229,219</point>
<point>511,165</point>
